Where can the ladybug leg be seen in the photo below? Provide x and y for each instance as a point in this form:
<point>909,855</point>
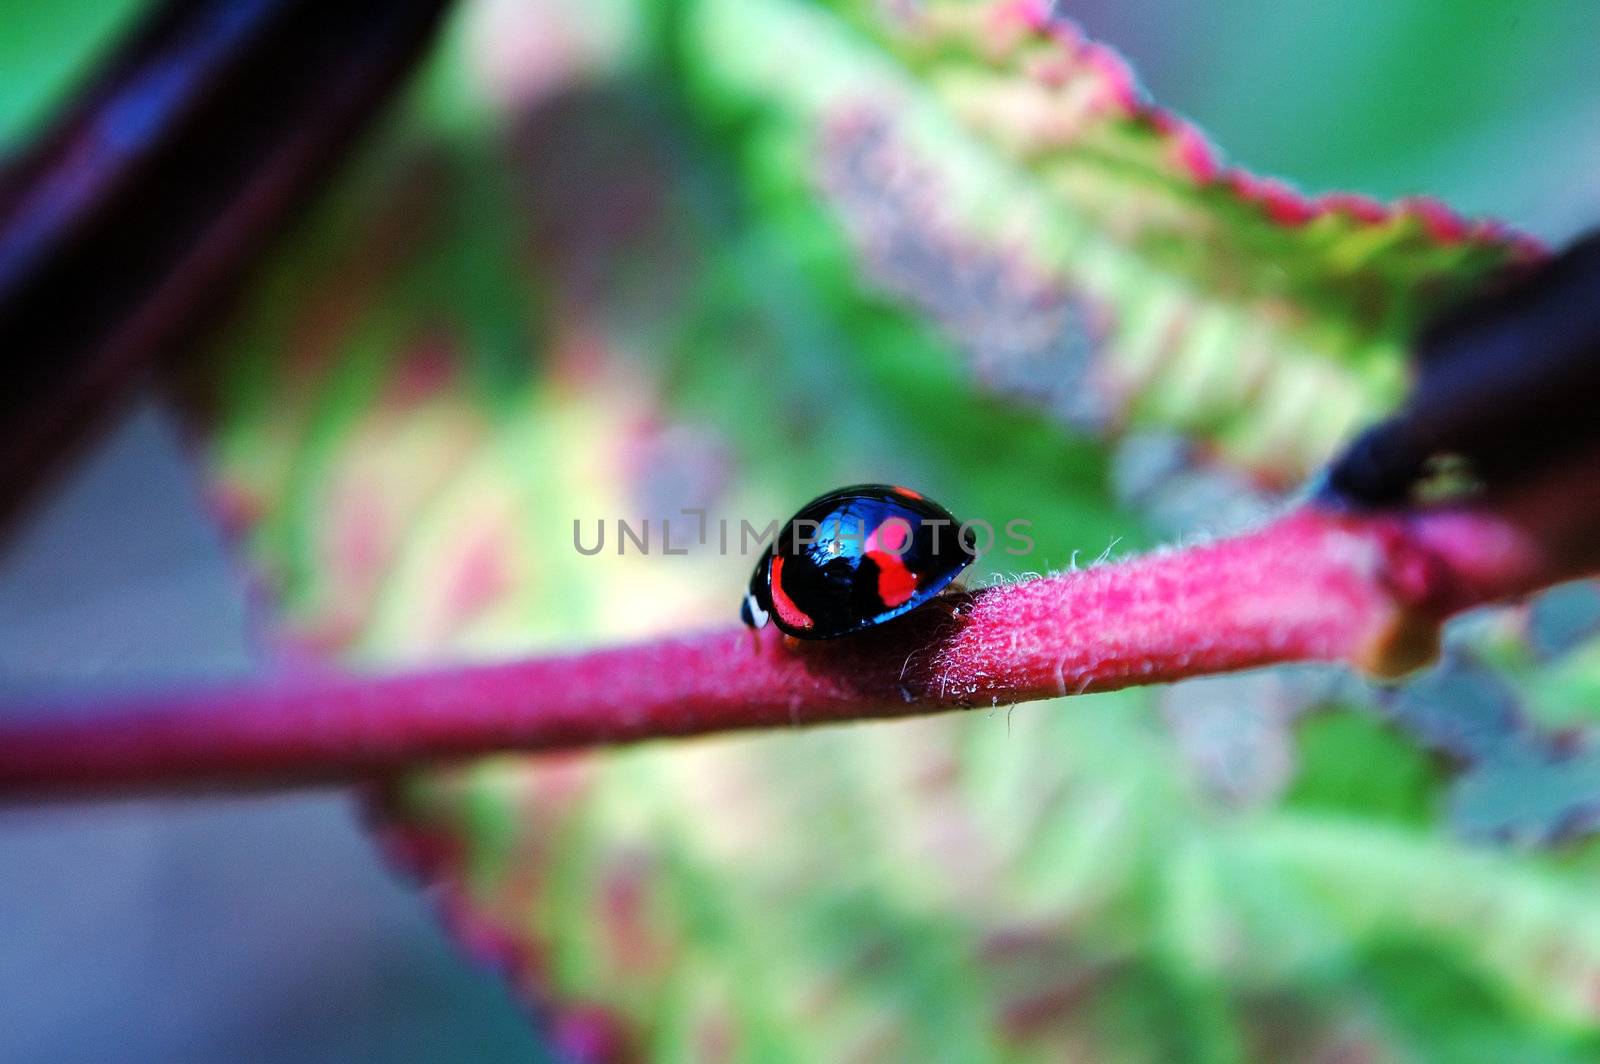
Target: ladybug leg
<point>954,600</point>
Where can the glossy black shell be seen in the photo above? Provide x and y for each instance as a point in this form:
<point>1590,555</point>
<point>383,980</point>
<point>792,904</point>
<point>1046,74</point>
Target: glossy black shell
<point>828,574</point>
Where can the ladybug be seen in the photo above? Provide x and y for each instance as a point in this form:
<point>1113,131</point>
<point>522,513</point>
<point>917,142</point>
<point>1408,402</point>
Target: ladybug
<point>855,558</point>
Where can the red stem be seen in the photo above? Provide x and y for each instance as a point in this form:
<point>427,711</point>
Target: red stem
<point>1312,586</point>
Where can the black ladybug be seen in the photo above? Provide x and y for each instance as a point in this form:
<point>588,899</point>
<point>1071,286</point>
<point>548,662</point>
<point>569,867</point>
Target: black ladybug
<point>855,558</point>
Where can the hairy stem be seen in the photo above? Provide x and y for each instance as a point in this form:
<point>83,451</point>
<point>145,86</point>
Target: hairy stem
<point>1313,586</point>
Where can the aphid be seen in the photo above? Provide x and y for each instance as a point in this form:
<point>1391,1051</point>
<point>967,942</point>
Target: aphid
<point>855,558</point>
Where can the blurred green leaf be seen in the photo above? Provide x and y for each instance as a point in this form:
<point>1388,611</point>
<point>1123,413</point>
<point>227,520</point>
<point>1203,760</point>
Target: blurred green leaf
<point>44,49</point>
<point>997,173</point>
<point>729,255</point>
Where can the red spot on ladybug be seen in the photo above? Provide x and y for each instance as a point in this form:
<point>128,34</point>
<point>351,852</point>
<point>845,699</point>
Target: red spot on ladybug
<point>891,537</point>
<point>853,559</point>
<point>896,583</point>
<point>788,613</point>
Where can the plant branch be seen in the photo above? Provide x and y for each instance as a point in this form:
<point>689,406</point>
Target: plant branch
<point>1316,585</point>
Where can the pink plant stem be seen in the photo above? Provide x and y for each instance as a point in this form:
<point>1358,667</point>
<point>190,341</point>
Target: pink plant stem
<point>1312,586</point>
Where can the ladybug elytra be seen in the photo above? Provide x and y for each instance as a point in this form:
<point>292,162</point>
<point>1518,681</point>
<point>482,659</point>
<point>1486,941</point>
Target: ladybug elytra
<point>855,558</point>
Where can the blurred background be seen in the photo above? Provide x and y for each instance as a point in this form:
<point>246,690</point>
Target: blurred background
<point>589,266</point>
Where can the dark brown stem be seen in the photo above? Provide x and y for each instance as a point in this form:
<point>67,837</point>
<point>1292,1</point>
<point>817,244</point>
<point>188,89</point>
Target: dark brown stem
<point>124,225</point>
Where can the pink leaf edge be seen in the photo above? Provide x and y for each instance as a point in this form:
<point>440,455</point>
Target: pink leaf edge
<point>1193,152</point>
